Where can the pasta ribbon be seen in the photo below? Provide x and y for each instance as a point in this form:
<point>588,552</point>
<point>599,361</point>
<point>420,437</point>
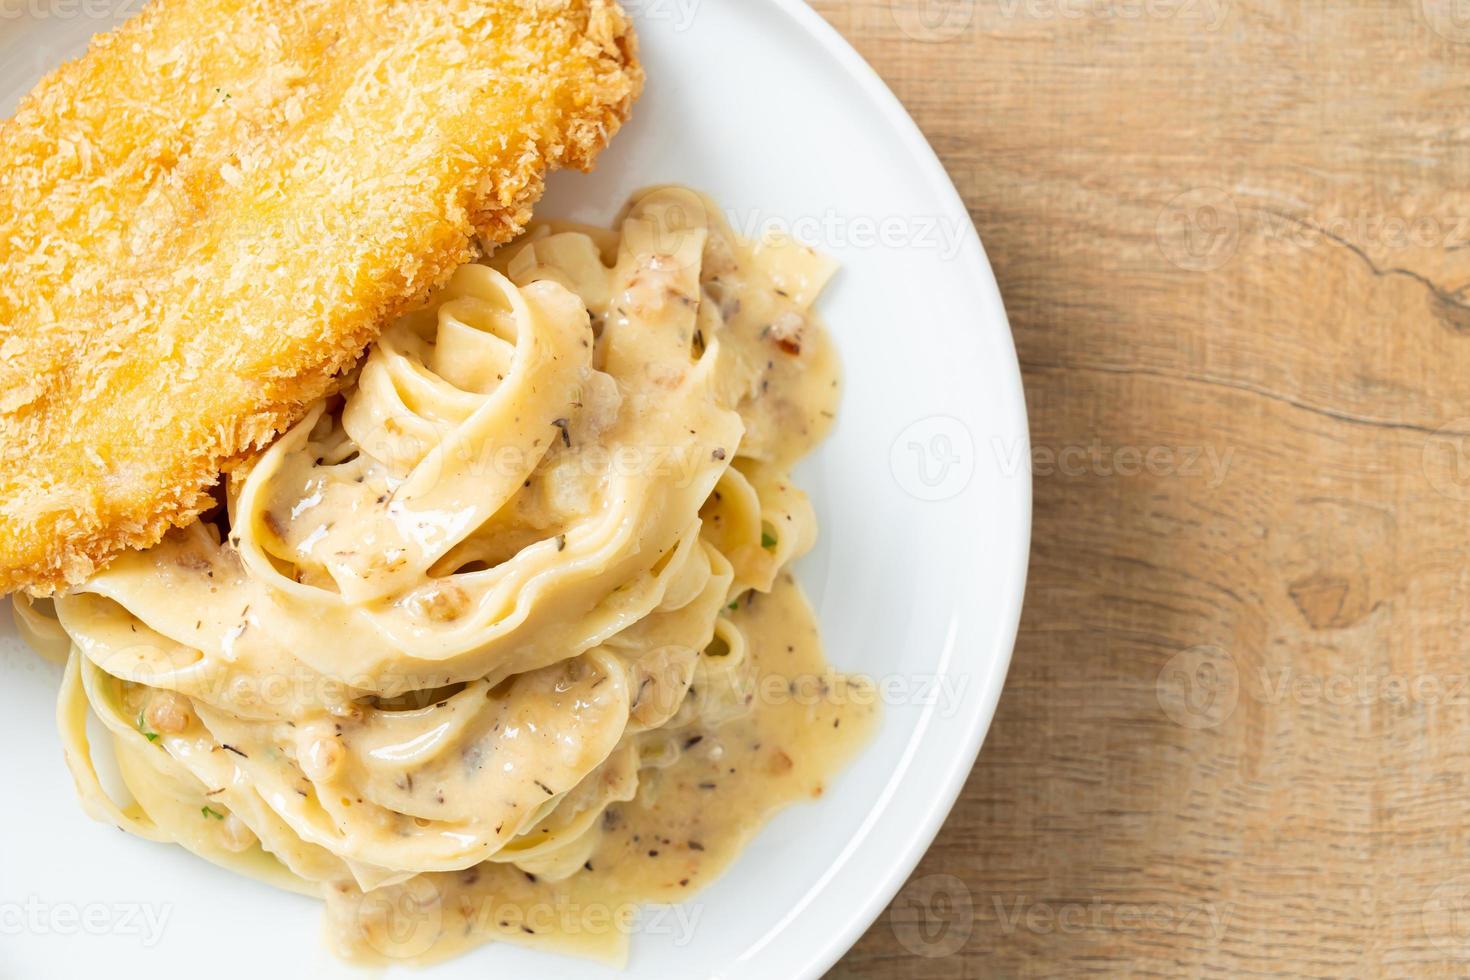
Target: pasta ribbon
<point>480,606</point>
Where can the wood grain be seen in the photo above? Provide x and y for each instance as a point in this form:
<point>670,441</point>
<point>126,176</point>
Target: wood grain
<point>1236,736</point>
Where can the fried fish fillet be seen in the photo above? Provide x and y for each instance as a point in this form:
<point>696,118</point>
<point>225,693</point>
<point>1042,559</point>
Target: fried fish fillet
<point>205,220</point>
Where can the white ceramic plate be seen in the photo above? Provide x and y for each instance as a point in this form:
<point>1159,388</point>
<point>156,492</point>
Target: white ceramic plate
<point>923,494</point>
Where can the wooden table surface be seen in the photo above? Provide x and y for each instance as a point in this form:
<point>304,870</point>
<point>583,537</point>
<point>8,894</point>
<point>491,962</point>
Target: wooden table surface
<point>1232,238</point>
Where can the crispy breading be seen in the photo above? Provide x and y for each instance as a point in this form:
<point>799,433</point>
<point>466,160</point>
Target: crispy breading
<point>206,219</point>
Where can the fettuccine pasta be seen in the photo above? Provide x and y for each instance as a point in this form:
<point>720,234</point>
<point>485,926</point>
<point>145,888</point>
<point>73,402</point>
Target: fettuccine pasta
<point>505,626</point>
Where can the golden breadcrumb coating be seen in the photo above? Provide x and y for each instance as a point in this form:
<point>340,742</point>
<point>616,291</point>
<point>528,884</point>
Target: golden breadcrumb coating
<point>205,220</point>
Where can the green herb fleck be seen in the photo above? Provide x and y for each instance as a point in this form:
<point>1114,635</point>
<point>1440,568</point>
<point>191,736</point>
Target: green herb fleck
<point>211,812</point>
<point>143,727</point>
<point>768,540</point>
<point>735,605</point>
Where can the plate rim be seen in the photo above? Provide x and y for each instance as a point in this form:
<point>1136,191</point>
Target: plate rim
<point>992,654</point>
<point>973,260</point>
